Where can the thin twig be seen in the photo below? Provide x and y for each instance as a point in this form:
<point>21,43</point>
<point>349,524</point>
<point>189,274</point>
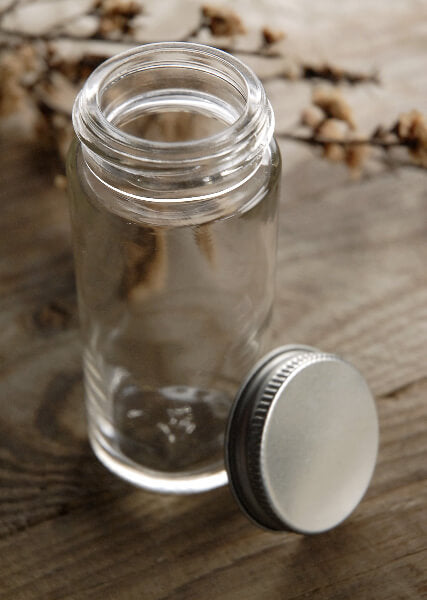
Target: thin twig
<point>46,37</point>
<point>326,73</point>
<point>312,140</point>
<point>30,37</point>
<point>337,75</point>
<point>261,52</point>
<point>385,145</point>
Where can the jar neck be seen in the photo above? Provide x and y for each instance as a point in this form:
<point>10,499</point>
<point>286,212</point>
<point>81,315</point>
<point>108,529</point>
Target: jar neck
<point>189,84</point>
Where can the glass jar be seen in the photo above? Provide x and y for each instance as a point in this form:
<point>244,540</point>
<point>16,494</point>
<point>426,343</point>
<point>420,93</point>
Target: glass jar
<point>173,190</point>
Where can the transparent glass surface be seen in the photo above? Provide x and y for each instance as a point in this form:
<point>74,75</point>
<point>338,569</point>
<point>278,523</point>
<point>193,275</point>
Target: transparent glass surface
<point>175,255</point>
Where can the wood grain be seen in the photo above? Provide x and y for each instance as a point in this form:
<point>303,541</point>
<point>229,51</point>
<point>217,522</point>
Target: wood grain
<point>350,280</point>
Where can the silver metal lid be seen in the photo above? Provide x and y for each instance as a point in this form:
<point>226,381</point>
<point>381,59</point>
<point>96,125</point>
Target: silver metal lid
<point>302,440</point>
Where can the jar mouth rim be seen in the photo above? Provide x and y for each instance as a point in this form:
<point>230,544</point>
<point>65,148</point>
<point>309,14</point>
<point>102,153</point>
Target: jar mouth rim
<point>252,129</point>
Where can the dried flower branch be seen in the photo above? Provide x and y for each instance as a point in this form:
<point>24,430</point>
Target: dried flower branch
<point>332,128</point>
<point>295,70</point>
<point>356,149</point>
<point>33,72</point>
<point>317,140</point>
<point>112,20</point>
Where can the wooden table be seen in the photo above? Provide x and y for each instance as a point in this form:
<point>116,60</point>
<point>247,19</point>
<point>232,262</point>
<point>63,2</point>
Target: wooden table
<point>351,280</point>
<point>352,271</point>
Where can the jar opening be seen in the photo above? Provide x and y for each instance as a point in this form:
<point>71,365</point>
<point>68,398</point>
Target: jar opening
<point>174,107</point>
<point>172,104</point>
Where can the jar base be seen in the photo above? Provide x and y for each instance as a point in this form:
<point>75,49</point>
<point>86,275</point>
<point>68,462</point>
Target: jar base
<point>148,479</point>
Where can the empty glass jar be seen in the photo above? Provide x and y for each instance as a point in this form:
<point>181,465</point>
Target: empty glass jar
<point>174,188</point>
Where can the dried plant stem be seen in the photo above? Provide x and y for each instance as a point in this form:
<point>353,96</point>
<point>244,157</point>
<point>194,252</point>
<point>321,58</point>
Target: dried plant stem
<point>307,71</point>
<point>262,51</point>
<point>29,37</point>
<point>334,75</point>
<point>313,140</point>
<point>329,123</point>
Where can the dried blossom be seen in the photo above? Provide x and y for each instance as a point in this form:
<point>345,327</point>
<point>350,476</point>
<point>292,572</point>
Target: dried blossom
<point>222,21</point>
<point>333,105</point>
<point>116,16</point>
<point>125,8</point>
<point>312,116</point>
<point>40,75</point>
<point>272,36</point>
<point>332,129</point>
<point>411,129</point>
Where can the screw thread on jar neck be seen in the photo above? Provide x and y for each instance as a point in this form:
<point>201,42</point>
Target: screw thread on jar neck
<point>174,77</point>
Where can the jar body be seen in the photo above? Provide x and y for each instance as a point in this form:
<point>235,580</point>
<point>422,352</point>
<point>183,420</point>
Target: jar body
<point>174,312</point>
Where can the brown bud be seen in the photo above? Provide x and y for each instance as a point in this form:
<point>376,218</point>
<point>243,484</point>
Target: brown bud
<point>332,129</point>
<point>333,105</point>
<point>271,36</point>
<point>222,20</point>
<point>411,128</point>
<point>312,116</point>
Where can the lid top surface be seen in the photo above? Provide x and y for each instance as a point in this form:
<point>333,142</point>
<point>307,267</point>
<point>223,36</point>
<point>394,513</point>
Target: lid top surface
<point>309,446</point>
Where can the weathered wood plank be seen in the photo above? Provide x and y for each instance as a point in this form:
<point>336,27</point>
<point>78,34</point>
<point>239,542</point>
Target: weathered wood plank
<point>110,539</point>
<point>71,530</point>
<point>352,272</point>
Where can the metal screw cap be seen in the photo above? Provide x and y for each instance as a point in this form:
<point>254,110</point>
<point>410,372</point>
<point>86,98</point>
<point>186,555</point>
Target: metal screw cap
<point>302,440</point>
